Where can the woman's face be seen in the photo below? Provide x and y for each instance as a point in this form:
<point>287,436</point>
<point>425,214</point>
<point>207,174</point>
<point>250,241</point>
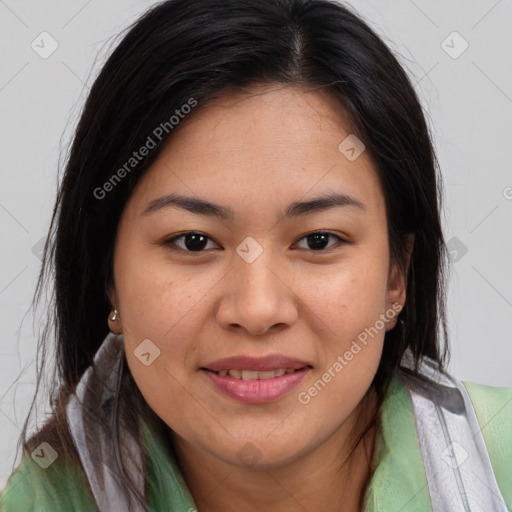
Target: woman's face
<point>251,285</point>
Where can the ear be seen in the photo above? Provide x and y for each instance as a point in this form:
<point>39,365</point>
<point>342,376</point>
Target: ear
<point>111,293</point>
<point>397,281</point>
<point>114,325</point>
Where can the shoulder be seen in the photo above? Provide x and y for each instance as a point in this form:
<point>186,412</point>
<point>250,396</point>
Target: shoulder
<point>489,401</point>
<point>493,407</point>
<point>49,476</point>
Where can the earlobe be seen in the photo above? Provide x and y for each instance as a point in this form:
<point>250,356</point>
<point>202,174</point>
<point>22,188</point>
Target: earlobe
<point>114,320</point>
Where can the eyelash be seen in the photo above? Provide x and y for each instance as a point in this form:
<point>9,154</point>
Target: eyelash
<point>172,245</point>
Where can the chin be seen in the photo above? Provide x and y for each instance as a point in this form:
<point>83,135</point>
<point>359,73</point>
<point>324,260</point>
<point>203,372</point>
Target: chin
<point>262,453</point>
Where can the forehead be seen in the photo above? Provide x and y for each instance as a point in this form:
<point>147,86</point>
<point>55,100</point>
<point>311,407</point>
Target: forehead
<point>263,111</point>
<point>275,142</point>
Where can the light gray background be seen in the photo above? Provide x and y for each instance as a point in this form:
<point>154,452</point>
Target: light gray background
<point>469,103</point>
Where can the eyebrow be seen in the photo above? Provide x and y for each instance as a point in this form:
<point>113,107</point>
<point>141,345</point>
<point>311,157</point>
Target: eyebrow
<point>209,209</point>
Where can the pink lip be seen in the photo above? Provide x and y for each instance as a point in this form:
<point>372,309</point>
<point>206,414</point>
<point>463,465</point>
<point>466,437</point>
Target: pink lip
<point>257,390</point>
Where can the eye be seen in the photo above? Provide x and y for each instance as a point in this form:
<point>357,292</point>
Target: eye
<point>317,241</point>
<point>193,241</point>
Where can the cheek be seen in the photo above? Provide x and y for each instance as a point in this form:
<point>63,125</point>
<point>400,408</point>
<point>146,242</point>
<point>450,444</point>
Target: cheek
<point>350,298</point>
<point>347,307</point>
<point>155,298</point>
<point>164,385</point>
<point>348,312</point>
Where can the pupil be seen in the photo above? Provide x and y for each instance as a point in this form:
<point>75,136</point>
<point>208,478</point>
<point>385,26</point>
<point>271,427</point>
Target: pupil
<point>195,242</point>
<point>319,240</point>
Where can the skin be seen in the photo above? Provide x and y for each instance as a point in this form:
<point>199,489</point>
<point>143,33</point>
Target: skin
<point>257,154</point>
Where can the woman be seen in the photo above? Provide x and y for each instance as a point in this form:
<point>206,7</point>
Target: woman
<point>262,367</point>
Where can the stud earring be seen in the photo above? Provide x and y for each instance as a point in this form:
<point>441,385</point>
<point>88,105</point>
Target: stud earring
<point>114,316</point>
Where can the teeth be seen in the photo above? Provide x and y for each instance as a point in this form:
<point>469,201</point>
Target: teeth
<point>249,375</point>
<point>254,375</point>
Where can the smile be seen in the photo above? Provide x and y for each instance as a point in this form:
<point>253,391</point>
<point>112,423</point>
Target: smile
<point>255,375</point>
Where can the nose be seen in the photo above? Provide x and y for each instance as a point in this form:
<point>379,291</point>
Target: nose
<point>257,297</point>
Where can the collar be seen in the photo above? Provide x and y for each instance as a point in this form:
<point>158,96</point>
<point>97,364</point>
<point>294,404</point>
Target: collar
<point>399,481</point>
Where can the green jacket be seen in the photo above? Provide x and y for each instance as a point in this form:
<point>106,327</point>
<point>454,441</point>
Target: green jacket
<point>398,484</point>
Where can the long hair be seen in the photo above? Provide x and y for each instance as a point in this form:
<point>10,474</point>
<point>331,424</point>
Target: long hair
<point>202,49</point>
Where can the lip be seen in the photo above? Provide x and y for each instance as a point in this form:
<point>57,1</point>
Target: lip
<point>256,391</point>
<point>261,364</point>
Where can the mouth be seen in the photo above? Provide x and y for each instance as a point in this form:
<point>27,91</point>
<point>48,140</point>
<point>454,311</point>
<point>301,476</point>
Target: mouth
<point>256,386</point>
<point>255,374</point>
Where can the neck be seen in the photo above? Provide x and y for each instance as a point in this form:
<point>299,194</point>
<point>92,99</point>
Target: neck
<point>328,478</point>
